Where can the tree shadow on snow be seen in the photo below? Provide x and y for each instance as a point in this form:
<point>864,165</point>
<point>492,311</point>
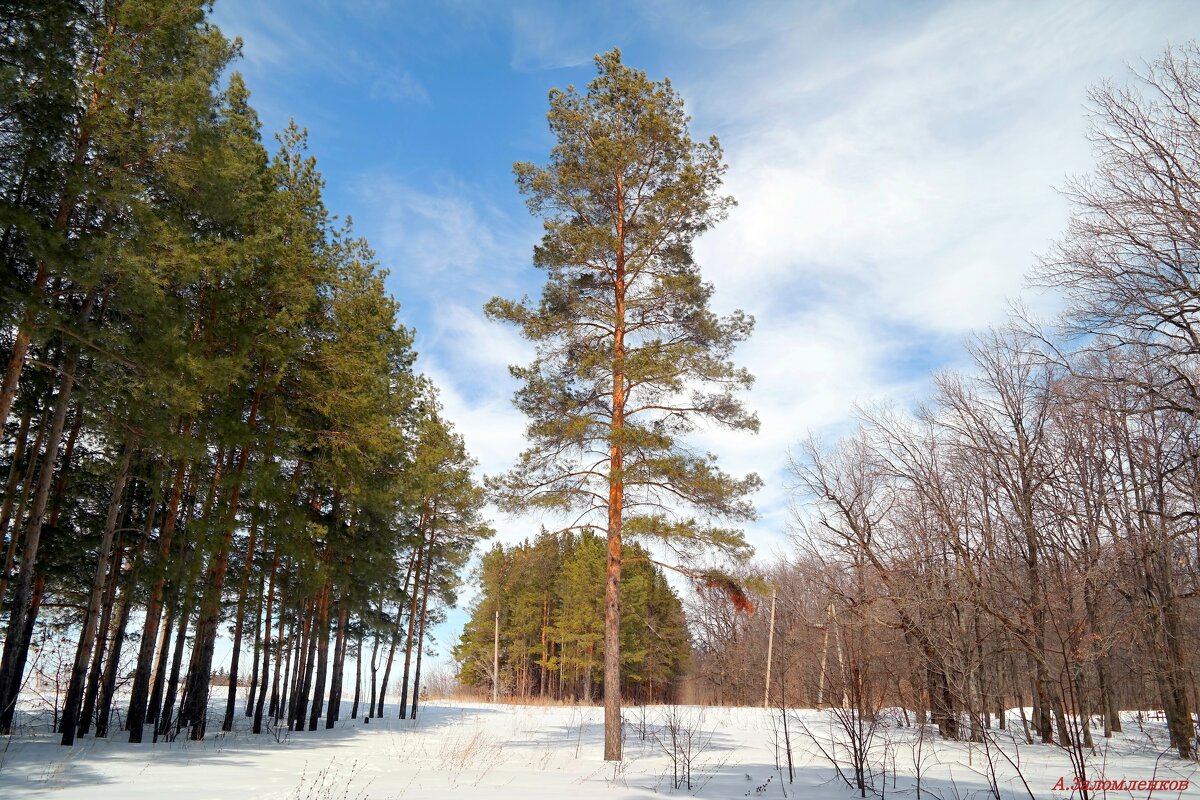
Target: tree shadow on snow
<point>32,762</point>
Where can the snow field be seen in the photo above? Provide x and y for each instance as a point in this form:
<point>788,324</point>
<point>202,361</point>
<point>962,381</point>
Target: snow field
<point>510,752</point>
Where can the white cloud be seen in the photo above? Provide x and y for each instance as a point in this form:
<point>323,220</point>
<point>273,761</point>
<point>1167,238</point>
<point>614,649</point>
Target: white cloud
<point>894,175</point>
<point>894,167</point>
<point>441,240</point>
<point>467,358</point>
<point>895,183</point>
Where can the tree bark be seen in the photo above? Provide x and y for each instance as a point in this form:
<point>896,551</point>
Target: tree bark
<point>421,635</point>
<point>91,694</point>
<point>358,677</point>
<point>318,692</point>
<point>298,665</point>
<point>305,675</point>
<point>412,618</point>
<point>10,489</point>
<point>154,704</point>
<point>137,714</point>
<point>239,620</point>
<point>210,604</point>
<point>266,648</point>
<point>22,605</point>
<point>108,685</point>
<point>187,593</point>
<point>258,636</point>
<point>26,489</point>
<point>334,711</point>
<point>616,501</point>
<point>87,635</point>
<point>279,704</point>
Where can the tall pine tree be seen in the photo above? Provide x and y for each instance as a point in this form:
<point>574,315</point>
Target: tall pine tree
<point>630,358</point>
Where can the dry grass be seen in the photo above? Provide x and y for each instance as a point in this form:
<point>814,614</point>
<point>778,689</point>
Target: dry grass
<point>471,755</point>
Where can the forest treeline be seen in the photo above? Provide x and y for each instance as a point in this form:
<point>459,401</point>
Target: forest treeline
<point>541,609</point>
<point>211,416</point>
<point>1028,537</point>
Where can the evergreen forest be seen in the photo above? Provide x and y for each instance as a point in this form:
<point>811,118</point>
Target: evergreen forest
<point>213,426</point>
<point>545,599</point>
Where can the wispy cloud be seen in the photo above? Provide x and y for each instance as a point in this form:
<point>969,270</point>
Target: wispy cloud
<point>439,239</point>
<point>894,165</point>
<point>399,86</point>
<point>894,174</point>
<point>550,36</point>
<point>895,177</point>
<point>288,46</point>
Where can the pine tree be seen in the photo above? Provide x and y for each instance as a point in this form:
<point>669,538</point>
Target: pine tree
<point>630,358</point>
<point>216,416</point>
<point>143,76</point>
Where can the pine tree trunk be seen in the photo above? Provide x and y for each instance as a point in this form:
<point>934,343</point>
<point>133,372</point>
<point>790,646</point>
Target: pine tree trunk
<point>297,685</point>
<point>10,489</point>
<point>27,484</point>
<point>130,587</point>
<point>266,647</point>
<point>87,636</point>
<point>374,672</point>
<point>22,646</point>
<point>137,714</point>
<point>166,718</point>
<point>109,685</point>
<point>88,709</point>
<point>412,620</point>
<point>239,621</point>
<point>16,362</point>
<point>421,634</point>
<point>334,710</point>
<point>22,605</point>
<point>412,564</point>
<point>210,605</point>
<point>616,501</point>
<point>279,704</point>
<point>295,708</point>
<point>387,669</point>
<point>318,692</point>
<point>297,642</point>
<point>588,678</point>
<point>358,677</point>
<point>306,674</point>
<point>258,639</point>
<point>58,493</point>
<point>154,705</point>
<point>544,676</point>
<point>177,604</point>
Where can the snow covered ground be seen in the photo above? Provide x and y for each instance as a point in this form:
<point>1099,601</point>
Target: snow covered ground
<point>505,752</point>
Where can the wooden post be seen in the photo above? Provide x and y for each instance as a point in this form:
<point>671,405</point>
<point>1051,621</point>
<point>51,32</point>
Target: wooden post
<point>770,648</point>
<point>824,657</point>
<point>496,661</point>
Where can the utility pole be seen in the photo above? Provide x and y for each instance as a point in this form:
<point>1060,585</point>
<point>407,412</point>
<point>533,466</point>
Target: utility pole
<point>770,648</point>
<point>496,661</point>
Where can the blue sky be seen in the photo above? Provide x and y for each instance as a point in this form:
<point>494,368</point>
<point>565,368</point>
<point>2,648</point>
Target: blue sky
<point>894,164</point>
